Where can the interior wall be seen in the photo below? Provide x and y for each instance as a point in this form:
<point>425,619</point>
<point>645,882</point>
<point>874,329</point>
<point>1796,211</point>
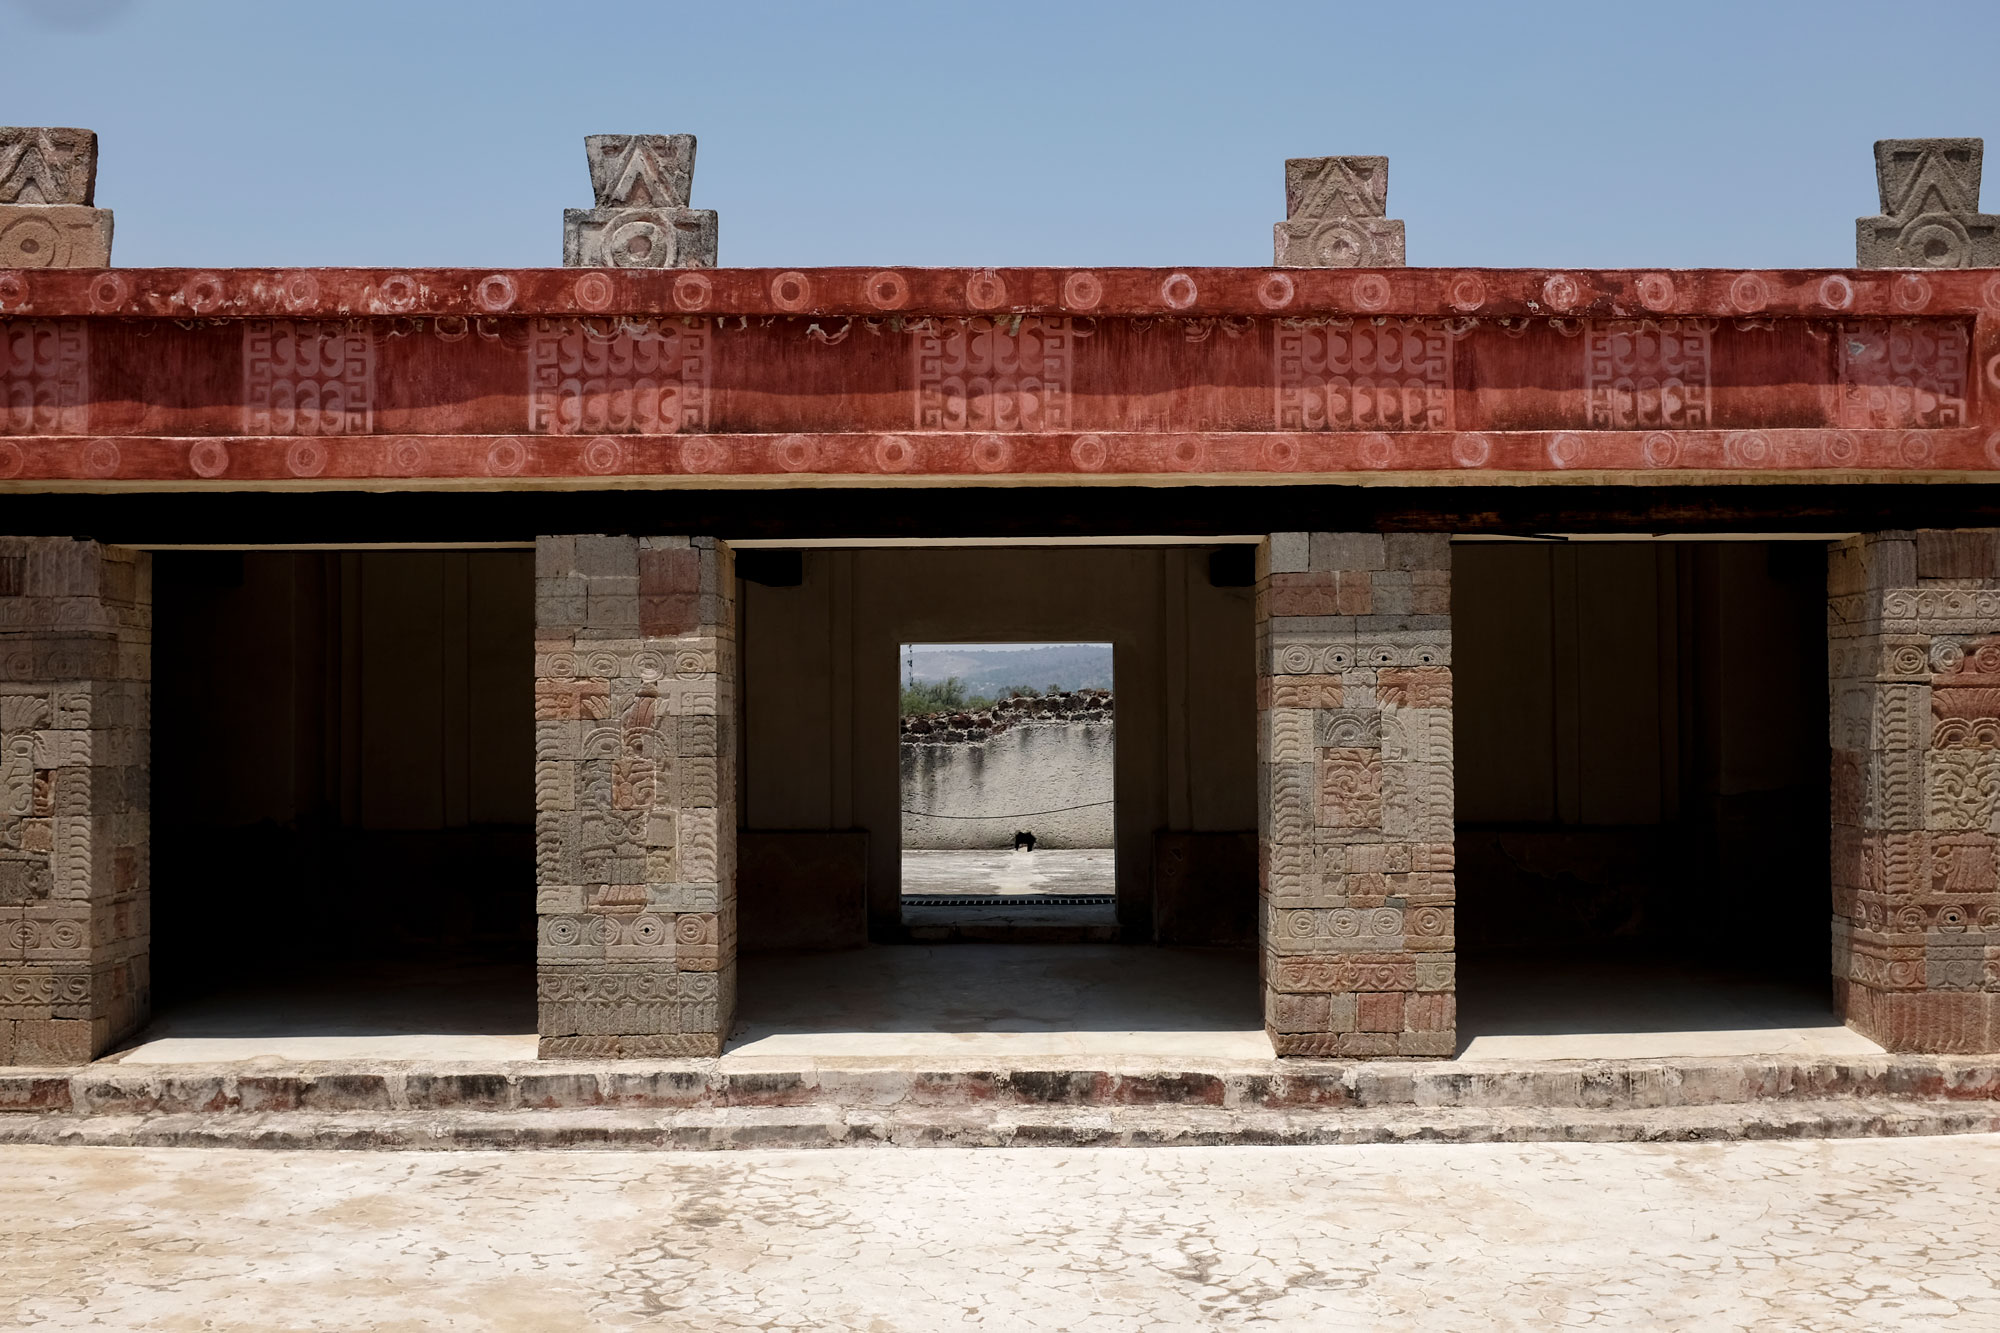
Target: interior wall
<point>343,758</point>
<point>821,687</point>
<point>1642,746</point>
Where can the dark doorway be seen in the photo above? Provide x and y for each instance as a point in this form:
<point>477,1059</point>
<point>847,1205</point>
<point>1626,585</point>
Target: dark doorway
<point>343,797</point>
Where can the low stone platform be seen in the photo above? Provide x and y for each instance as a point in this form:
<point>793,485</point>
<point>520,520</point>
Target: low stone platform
<point>775,1103</point>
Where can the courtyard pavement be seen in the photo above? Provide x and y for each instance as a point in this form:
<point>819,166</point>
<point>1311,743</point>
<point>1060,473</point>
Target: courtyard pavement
<point>1833,1235</point>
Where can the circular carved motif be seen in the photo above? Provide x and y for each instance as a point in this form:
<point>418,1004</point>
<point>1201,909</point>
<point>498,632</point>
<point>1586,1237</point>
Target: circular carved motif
<point>791,291</point>
<point>506,457</point>
<point>108,291</point>
<point>202,293</point>
<point>306,458</point>
<point>1276,291</point>
<point>30,242</point>
<point>692,291</point>
<point>603,454</point>
<point>984,290</point>
<point>1082,291</point>
<point>1090,455</point>
<point>593,291</point>
<point>1749,293</point>
<point>895,453</point>
<point>1836,292</point>
<point>208,458</point>
<point>1561,292</point>
<point>494,293</point>
<point>1471,451</point>
<point>992,453</point>
<point>1179,291</point>
<point>1466,293</point>
<point>888,290</point>
<point>796,453</point>
<point>1656,292</point>
<point>1371,291</point>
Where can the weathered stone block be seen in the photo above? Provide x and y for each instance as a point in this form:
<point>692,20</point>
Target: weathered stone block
<point>1930,208</point>
<point>54,236</point>
<point>639,238</point>
<point>47,165</point>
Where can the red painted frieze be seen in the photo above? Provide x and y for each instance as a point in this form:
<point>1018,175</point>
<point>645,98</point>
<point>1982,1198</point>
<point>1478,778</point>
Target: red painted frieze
<point>606,377</point>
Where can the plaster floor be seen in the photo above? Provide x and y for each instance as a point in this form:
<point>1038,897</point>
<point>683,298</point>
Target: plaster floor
<point>1081,870</point>
<point>1010,1001</point>
<point>1837,1235</point>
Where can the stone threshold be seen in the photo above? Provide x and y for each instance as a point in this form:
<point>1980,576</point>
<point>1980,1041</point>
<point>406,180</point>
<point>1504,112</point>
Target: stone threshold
<point>806,1127</point>
<point>922,1086</point>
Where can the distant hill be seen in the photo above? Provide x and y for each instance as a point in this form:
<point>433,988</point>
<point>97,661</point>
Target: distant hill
<point>988,671</point>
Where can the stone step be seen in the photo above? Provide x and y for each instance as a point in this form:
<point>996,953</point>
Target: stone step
<point>1234,1086</point>
<point>724,1128</point>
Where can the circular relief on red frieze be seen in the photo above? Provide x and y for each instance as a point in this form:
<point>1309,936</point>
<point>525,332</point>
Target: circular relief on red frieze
<point>984,290</point>
<point>1378,450</point>
<point>298,291</point>
<point>1466,293</point>
<point>791,291</point>
<point>692,291</point>
<point>202,293</point>
<point>1561,292</point>
<point>593,291</point>
<point>1840,448</point>
<point>603,454</point>
<point>1656,292</point>
<point>1186,454</point>
<point>1179,291</point>
<point>888,290</point>
<point>506,457</point>
<point>1661,449</point>
<point>1276,291</point>
<point>494,293</point>
<point>1911,291</point>
<point>108,291</point>
<point>1993,448</point>
<point>701,455</point>
<point>796,453</point>
<point>1915,449</point>
<point>13,291</point>
<point>1566,449</point>
<point>306,458</point>
<point>1989,295</point>
<point>398,294</point>
<point>208,458</point>
<point>1281,455</point>
<point>1836,292</point>
<point>12,460</point>
<point>408,457</point>
<point>1371,291</point>
<point>1749,293</point>
<point>1747,448</point>
<point>1082,291</point>
<point>1471,450</point>
<point>101,459</point>
<point>992,453</point>
<point>1993,370</point>
<point>1090,455</point>
<point>895,453</point>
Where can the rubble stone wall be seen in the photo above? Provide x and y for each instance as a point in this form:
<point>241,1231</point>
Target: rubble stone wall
<point>75,661</point>
<point>1914,653</point>
<point>1356,864</point>
<point>635,795</point>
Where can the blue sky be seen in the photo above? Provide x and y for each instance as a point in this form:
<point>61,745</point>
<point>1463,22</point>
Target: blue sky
<point>449,131</point>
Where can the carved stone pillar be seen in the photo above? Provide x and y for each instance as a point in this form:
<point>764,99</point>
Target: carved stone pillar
<point>75,666</point>
<point>1355,803</point>
<point>635,795</point>
<point>1914,650</point>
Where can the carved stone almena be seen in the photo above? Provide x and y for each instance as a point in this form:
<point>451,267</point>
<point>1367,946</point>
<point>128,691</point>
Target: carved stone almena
<point>48,182</point>
<point>1930,208</point>
<point>642,183</point>
<point>1334,215</point>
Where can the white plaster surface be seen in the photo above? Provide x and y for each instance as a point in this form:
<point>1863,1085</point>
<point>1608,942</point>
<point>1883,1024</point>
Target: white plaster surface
<point>1828,1235</point>
<point>1045,870</point>
<point>1054,779</point>
<point>1013,1001</point>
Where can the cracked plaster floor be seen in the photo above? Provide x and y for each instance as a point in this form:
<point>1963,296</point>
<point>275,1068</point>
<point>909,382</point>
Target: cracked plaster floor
<point>1826,1235</point>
